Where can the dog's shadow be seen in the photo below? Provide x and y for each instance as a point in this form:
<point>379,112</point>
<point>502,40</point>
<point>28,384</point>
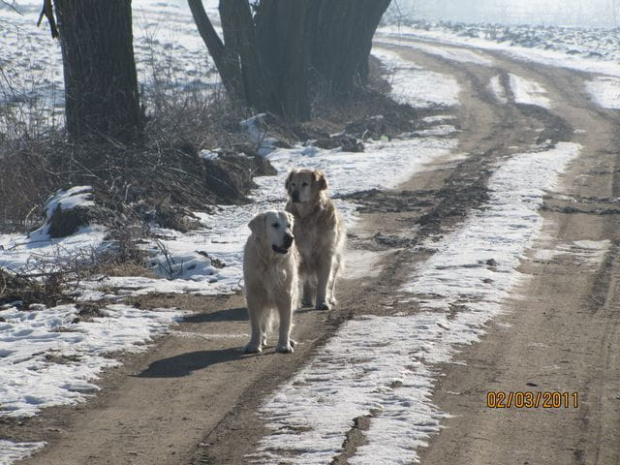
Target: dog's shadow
<point>183,365</point>
<point>230,314</point>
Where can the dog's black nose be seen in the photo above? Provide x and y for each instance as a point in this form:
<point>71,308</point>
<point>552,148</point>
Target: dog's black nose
<point>288,240</point>
<point>295,196</point>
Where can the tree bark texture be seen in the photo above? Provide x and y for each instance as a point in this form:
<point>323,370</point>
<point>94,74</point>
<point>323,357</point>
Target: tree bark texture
<point>101,86</point>
<point>291,48</point>
<point>341,40</point>
<point>282,35</point>
<point>241,50</point>
<point>228,69</point>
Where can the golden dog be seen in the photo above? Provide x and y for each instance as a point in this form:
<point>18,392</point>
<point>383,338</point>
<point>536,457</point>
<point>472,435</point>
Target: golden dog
<point>270,271</point>
<point>319,235</point>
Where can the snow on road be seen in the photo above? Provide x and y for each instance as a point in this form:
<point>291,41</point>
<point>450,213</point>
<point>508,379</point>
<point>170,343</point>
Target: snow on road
<point>410,83</point>
<point>605,91</point>
<point>454,54</point>
<point>524,91</point>
<point>382,367</point>
<point>498,89</point>
<point>51,357</point>
<point>585,252</point>
<point>48,357</point>
<point>11,452</point>
<point>528,92</point>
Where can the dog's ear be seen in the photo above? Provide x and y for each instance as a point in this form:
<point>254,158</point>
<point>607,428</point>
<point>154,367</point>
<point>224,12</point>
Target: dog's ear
<point>257,224</point>
<point>291,218</point>
<point>287,185</point>
<point>320,179</point>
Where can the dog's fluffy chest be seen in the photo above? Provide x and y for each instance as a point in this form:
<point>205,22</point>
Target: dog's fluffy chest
<point>276,275</point>
<point>315,235</point>
<point>306,238</point>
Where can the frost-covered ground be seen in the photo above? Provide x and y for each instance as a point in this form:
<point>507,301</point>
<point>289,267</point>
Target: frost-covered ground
<point>50,357</point>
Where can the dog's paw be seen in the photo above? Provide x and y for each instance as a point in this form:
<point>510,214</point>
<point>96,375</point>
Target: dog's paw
<point>323,306</point>
<point>285,348</point>
<point>252,349</point>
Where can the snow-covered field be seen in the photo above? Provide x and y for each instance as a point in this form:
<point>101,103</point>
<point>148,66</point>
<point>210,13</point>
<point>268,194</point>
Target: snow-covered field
<point>48,357</point>
<point>587,42</point>
<point>590,50</point>
<point>170,57</point>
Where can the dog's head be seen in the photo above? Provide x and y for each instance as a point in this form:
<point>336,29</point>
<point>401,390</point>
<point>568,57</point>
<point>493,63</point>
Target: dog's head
<point>305,185</point>
<point>274,229</point>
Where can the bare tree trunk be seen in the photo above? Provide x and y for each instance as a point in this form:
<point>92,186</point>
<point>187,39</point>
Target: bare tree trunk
<point>282,34</point>
<point>228,69</point>
<point>270,58</point>
<point>242,49</point>
<point>341,43</point>
<point>101,86</point>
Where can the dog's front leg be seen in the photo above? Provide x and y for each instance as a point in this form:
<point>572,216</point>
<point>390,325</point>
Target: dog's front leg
<point>323,275</point>
<point>285,344</point>
<point>256,339</point>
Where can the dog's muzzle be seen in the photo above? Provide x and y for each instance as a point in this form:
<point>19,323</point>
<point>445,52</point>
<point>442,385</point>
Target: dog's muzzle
<point>295,197</point>
<point>286,245</point>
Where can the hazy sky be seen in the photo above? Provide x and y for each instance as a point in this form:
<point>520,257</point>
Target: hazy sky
<point>559,12</point>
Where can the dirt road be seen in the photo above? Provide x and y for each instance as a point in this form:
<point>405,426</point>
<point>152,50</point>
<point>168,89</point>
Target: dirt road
<point>192,398</point>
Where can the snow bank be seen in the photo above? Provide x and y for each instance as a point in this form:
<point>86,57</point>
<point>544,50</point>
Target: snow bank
<point>605,91</point>
<point>79,197</point>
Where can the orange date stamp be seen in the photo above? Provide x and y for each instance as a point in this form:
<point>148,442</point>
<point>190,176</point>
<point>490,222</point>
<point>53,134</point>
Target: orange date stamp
<point>532,399</point>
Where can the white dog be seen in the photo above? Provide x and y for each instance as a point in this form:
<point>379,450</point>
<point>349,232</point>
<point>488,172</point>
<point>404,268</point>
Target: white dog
<point>270,267</point>
<point>319,235</point>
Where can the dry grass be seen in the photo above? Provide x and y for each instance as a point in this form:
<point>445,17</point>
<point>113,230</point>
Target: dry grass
<point>48,289</point>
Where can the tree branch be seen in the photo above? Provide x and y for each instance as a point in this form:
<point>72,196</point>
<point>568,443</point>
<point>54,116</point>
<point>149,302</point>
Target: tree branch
<point>206,30</point>
<point>229,71</point>
<point>48,12</point>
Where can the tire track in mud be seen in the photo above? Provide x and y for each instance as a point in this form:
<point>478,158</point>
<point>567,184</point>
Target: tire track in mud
<point>563,332</point>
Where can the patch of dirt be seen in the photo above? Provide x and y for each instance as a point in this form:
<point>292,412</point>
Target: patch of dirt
<point>376,201</point>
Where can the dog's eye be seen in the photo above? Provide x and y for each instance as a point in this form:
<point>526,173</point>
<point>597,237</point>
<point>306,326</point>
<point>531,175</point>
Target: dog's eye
<point>293,184</point>
<point>304,184</point>
<point>276,225</point>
